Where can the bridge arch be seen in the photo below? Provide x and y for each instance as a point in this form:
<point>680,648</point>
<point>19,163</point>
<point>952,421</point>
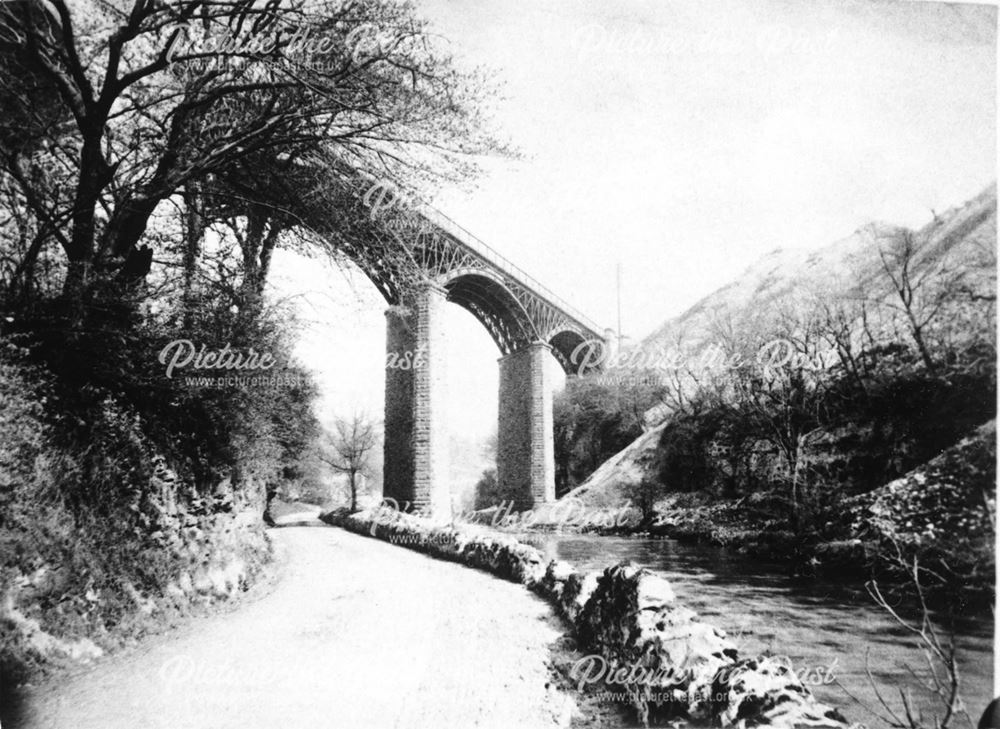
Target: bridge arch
<point>578,353</point>
<point>485,295</point>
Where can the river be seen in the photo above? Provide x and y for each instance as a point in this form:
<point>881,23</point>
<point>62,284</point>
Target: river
<point>828,629</point>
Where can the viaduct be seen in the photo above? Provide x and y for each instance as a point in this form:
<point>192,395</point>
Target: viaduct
<point>420,260</point>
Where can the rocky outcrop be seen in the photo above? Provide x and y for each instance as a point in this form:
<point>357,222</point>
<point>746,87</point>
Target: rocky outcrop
<point>948,496</point>
<point>668,661</point>
<point>60,604</point>
<point>941,513</point>
<point>609,485</point>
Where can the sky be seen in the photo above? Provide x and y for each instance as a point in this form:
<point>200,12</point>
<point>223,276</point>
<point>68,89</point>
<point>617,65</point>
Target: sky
<point>683,141</point>
<point>687,139</point>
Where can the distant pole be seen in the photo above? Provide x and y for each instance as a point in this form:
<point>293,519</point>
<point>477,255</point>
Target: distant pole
<point>618,272</point>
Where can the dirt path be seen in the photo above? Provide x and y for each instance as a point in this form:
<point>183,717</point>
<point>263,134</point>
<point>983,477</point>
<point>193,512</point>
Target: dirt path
<point>358,633</point>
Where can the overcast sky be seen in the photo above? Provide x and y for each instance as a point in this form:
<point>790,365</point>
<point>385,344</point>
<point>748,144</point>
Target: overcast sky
<point>685,140</point>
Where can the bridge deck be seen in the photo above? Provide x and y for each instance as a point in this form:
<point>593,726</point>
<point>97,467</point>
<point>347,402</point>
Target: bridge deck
<point>476,245</point>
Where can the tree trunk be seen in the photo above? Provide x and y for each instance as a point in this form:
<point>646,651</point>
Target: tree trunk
<point>194,232</point>
<point>792,461</point>
<point>918,337</point>
<point>23,278</point>
<point>94,175</point>
<point>77,281</point>
<point>258,245</point>
<point>128,227</point>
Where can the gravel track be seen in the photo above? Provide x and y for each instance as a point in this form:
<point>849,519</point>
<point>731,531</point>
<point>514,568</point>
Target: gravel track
<point>356,633</point>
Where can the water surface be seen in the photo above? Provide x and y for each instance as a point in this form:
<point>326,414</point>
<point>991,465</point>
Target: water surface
<point>826,628</point>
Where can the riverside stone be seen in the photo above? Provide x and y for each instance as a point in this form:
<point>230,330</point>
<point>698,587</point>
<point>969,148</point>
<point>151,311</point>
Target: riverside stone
<point>765,690</point>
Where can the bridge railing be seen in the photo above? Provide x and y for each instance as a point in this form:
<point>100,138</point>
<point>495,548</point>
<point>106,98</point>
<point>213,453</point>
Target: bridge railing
<point>475,244</point>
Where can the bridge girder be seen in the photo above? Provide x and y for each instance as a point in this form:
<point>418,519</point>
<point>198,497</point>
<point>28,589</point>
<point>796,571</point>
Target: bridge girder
<point>403,250</point>
<point>512,311</point>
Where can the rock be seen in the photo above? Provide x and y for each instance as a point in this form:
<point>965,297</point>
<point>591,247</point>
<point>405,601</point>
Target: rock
<point>553,582</point>
<point>577,593</point>
<point>767,691</point>
<point>654,591</point>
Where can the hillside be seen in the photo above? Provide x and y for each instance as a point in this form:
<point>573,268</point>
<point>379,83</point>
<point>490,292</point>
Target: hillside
<point>963,236</point>
<point>956,250</point>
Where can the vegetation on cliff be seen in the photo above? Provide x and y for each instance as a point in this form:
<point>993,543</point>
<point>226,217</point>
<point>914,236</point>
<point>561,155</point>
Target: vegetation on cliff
<point>780,403</point>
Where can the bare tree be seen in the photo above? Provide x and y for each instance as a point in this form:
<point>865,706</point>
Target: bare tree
<point>349,450</point>
<point>686,387</point>
<point>781,389</point>
<point>922,288</point>
<point>944,679</point>
<point>843,326</point>
<point>941,653</point>
<point>144,98</point>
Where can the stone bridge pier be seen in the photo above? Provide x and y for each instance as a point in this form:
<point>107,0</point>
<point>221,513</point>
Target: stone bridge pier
<point>526,467</point>
<point>415,469</point>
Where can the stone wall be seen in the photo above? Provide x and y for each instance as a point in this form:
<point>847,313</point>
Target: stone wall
<point>83,587</point>
<point>677,665</point>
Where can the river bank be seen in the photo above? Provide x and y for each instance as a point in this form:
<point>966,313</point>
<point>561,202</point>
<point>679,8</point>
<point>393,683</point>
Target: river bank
<point>700,519</point>
<point>750,529</point>
<point>941,513</point>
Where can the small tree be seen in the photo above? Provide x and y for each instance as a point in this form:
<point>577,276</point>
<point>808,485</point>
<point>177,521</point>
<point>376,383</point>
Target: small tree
<point>487,490</point>
<point>940,650</point>
<point>923,288</point>
<point>644,494</point>
<point>350,448</point>
<point>779,389</point>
